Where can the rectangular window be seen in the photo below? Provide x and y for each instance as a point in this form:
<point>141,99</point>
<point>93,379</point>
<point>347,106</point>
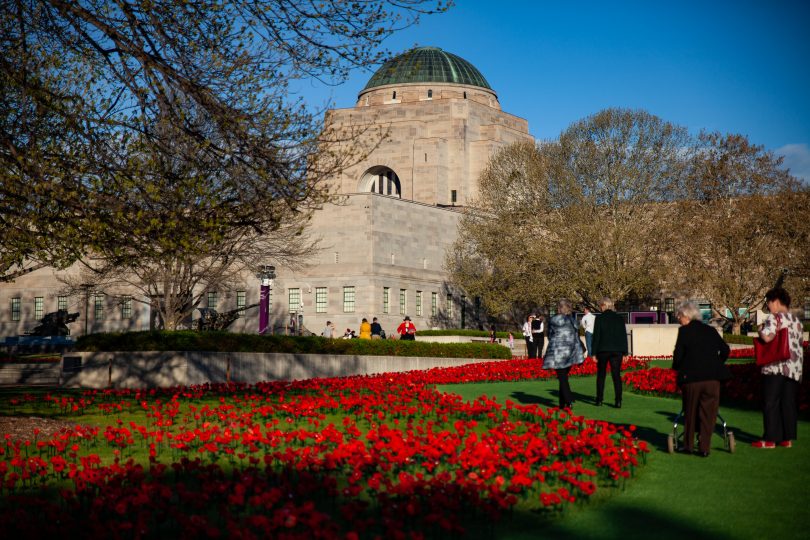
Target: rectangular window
<point>418,303</point>
<point>449,306</point>
<point>806,309</point>
<point>386,299</point>
<point>16,304</point>
<point>98,307</point>
<point>348,299</point>
<point>669,305</point>
<point>434,304</point>
<point>241,302</point>
<point>402,304</point>
<point>213,299</point>
<point>126,307</point>
<point>294,300</point>
<point>453,196</point>
<point>39,307</point>
<point>320,300</point>
<point>61,303</point>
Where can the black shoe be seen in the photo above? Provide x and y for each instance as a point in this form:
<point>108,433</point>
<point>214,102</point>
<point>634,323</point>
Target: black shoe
<point>683,450</point>
<point>702,454</point>
<point>618,404</point>
<point>598,402</point>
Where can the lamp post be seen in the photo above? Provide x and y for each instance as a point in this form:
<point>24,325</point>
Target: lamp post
<point>266,273</point>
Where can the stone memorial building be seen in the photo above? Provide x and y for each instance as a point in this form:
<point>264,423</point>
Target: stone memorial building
<point>383,244</point>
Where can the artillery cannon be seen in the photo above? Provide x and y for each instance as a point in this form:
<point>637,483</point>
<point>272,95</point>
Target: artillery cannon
<point>54,324</point>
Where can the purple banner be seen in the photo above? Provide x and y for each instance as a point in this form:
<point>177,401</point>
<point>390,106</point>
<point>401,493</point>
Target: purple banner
<point>264,309</point>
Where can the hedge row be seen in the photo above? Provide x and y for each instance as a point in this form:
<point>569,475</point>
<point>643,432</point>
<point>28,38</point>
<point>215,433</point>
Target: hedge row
<point>468,333</point>
<point>233,342</point>
<point>738,339</point>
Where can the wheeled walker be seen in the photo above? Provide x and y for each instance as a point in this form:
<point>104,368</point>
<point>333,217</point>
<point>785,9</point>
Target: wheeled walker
<point>678,431</point>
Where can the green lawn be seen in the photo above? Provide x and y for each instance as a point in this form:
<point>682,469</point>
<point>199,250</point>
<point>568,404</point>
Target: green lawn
<point>749,494</point>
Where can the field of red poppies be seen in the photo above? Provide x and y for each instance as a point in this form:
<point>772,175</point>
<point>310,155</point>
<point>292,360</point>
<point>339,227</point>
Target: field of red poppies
<point>352,457</point>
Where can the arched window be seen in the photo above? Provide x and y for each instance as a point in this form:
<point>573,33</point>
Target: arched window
<point>381,180</point>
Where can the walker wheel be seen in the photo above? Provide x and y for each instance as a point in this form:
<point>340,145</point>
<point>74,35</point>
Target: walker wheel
<point>732,444</point>
<point>671,443</point>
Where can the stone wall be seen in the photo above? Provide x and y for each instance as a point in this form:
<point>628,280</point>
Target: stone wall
<point>151,369</point>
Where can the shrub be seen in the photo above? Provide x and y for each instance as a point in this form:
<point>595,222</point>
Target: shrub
<point>739,340</point>
<point>233,342</point>
<point>467,332</point>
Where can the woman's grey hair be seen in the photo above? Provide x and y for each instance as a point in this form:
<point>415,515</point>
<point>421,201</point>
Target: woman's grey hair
<point>688,310</point>
<point>606,303</point>
<point>564,307</point>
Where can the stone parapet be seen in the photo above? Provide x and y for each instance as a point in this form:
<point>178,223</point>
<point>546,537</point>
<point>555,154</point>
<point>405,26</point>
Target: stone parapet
<point>150,369</point>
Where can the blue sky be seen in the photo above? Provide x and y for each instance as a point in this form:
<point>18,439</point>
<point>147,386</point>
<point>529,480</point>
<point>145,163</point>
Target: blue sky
<point>730,66</point>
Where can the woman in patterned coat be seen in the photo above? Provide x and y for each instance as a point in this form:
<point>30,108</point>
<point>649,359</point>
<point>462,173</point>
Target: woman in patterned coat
<point>564,348</point>
<point>780,381</point>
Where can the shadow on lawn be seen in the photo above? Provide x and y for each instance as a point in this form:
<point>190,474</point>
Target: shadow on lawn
<point>628,522</point>
<point>739,435</point>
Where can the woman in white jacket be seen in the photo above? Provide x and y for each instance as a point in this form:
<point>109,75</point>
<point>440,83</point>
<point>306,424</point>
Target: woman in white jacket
<point>531,346</point>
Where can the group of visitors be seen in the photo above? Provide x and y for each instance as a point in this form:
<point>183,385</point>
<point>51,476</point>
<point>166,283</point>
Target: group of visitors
<point>606,338</point>
<point>699,358</point>
<point>372,330</point>
<point>534,334</point>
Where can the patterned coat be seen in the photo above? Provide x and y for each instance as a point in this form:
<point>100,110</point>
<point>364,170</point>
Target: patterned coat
<point>792,368</point>
<point>564,346</point>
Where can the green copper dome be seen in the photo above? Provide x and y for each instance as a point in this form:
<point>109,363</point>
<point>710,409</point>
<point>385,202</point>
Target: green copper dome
<point>427,65</point>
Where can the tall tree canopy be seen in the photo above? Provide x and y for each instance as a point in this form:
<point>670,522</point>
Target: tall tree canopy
<point>626,204</point>
<point>581,217</point>
<point>743,221</point>
<point>100,97</point>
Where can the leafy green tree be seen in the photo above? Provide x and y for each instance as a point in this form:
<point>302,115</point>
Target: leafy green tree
<point>90,87</point>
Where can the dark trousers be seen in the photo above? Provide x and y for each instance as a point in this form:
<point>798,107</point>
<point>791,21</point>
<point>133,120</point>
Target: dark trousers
<point>566,397</point>
<point>780,407</point>
<point>531,348</point>
<point>700,402</point>
<point>537,337</point>
<point>602,361</point>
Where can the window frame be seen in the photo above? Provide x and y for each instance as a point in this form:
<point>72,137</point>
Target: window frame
<point>321,299</point>
<point>349,299</point>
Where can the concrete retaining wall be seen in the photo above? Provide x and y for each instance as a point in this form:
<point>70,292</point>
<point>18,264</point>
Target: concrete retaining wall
<point>652,339</point>
<point>165,369</point>
<point>38,373</point>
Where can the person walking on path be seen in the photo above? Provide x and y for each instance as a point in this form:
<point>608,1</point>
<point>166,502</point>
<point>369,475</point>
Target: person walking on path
<point>365,329</point>
<point>781,380</point>
<point>699,358</point>
<point>407,330</point>
<point>376,329</point>
<point>531,349</point>
<point>329,330</point>
<point>609,345</point>
<point>587,323</point>
<point>564,349</point>
<point>537,335</point>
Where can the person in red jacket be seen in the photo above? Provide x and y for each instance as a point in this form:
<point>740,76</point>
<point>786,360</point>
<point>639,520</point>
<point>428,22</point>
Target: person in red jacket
<point>407,330</point>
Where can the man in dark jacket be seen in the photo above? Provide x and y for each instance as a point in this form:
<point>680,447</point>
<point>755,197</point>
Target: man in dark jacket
<point>609,346</point>
<point>699,358</point>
